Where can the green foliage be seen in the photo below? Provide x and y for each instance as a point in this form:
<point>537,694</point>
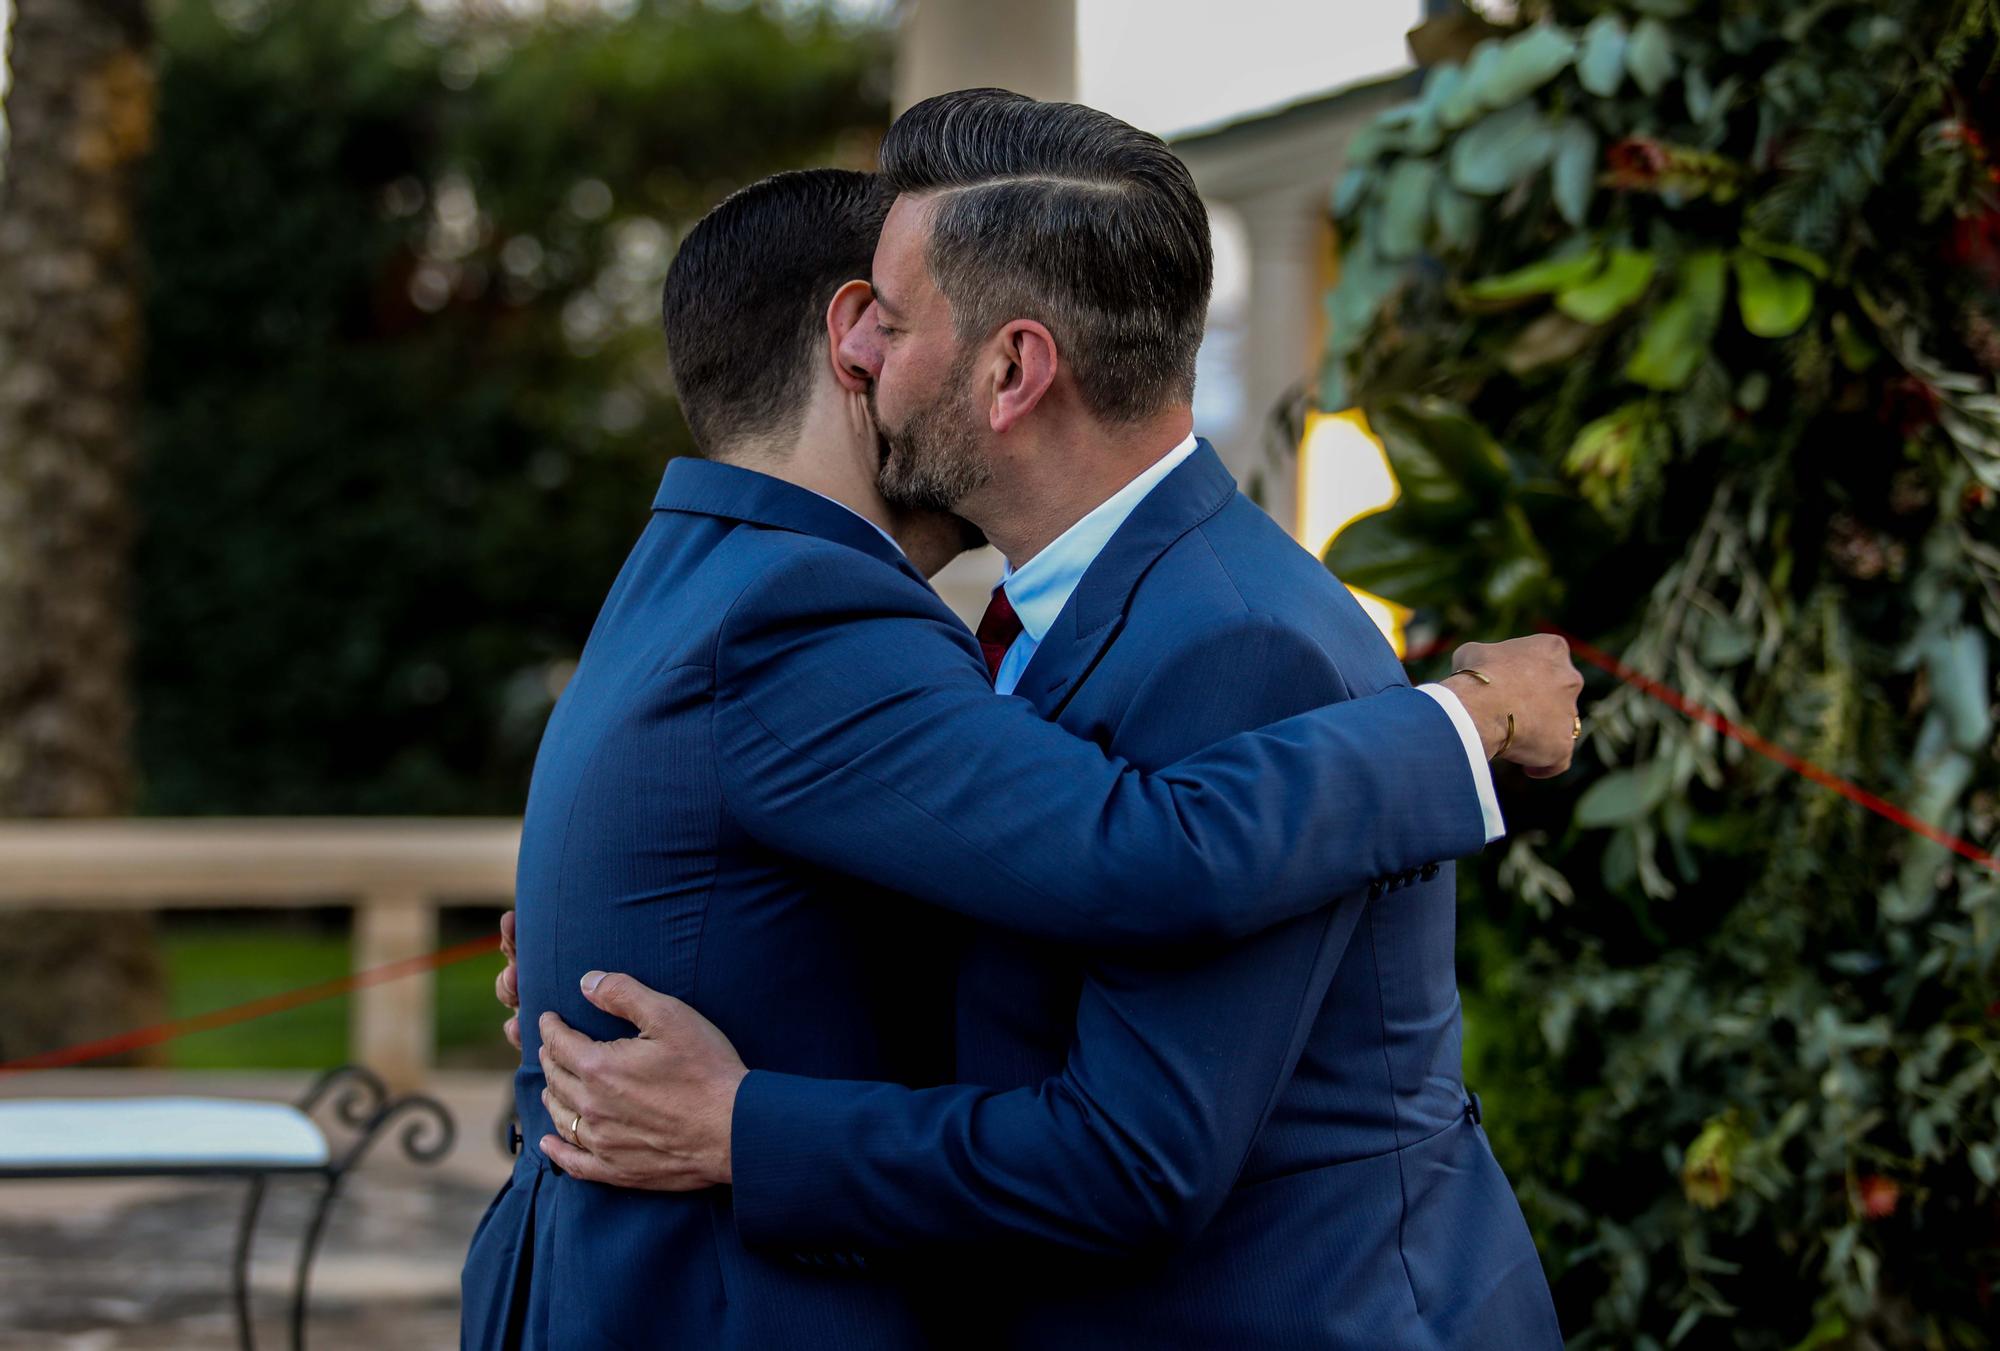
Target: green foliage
<point>406,399</point>
<point>1702,363</point>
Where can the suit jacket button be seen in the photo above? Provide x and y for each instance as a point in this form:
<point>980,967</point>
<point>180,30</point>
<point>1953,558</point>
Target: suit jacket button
<point>1429,871</point>
<point>1375,891</point>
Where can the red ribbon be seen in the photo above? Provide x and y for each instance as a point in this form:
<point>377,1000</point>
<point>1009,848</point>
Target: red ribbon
<point>256,1008</point>
<point>1680,703</point>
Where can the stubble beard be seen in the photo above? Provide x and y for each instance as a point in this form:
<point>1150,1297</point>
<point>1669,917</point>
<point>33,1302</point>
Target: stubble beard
<point>933,461</point>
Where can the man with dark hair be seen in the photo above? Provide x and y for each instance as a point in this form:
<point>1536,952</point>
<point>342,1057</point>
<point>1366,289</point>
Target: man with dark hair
<point>1271,1133</point>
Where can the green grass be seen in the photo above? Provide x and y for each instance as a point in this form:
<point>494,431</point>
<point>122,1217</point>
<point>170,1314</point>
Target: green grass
<point>217,961</point>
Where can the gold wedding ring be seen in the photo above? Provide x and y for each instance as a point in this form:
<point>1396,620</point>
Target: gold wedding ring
<point>1576,727</point>
<point>576,1131</point>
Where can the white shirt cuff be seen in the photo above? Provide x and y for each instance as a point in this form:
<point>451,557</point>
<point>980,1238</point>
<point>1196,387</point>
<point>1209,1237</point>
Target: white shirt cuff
<point>1475,755</point>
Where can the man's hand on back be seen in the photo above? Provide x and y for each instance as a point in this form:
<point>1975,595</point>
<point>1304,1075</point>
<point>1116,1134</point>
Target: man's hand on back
<point>1534,680</point>
<point>652,1111</point>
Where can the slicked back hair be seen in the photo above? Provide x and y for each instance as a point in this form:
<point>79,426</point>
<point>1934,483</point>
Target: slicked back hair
<point>744,304</point>
<point>1065,215</point>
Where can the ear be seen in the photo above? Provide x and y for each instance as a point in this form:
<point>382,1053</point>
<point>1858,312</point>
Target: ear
<point>843,315</point>
<point>1026,362</point>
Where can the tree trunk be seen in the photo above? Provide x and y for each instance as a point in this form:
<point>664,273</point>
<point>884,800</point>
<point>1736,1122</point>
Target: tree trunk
<point>79,122</point>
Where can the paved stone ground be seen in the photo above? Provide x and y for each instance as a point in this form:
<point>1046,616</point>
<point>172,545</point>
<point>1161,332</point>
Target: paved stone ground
<point>143,1265</point>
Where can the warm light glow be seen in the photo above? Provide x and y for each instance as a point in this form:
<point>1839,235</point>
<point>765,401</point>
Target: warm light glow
<point>1344,475</point>
<point>1391,618</point>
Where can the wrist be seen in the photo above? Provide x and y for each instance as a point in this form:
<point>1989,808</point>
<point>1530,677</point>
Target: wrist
<point>719,1170</point>
<point>1482,705</point>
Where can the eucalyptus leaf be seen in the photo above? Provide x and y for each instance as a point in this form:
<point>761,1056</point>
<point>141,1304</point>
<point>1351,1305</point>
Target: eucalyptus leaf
<point>1649,56</point>
<point>1699,93</point>
<point>1724,642</point>
<point>1622,796</point>
<point>1620,867</point>
<point>1465,100</point>
<point>1406,207</point>
<point>1366,281</point>
<point>1426,135</point>
<point>1624,278</point>
<point>1456,217</point>
<point>1493,155</point>
<point>1352,187</point>
<point>1775,302</point>
<point>1335,390</point>
<point>1368,144</point>
<point>1397,125</point>
<point>1573,174</point>
<point>1956,664</point>
<point>1527,61</point>
<point>1675,341</point>
<point>1600,65</point>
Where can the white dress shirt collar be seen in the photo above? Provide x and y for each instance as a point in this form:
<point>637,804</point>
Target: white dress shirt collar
<point>1040,587</point>
<point>859,517</point>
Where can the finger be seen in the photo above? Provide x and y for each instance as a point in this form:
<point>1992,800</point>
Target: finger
<point>566,1081</point>
<point>562,1114</point>
<point>565,1045</point>
<point>512,1029</point>
<point>506,988</point>
<point>507,935</point>
<point>623,997</point>
<point>576,1162</point>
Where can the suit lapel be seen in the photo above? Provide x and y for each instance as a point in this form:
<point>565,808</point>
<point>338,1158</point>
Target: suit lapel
<point>1195,491</point>
<point>707,488</point>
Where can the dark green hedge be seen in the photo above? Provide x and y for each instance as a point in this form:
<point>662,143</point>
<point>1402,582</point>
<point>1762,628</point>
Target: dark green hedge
<point>406,401</point>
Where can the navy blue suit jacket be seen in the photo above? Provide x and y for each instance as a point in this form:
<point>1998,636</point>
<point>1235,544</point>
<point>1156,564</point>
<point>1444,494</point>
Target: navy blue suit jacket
<point>776,732</point>
<point>1270,1136</point>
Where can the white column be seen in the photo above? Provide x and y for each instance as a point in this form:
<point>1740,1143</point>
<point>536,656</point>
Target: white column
<point>392,1025</point>
<point>1028,46</point>
<point>1286,240</point>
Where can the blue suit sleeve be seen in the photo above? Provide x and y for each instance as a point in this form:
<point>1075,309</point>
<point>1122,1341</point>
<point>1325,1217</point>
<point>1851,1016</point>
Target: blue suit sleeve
<point>856,729</point>
<point>1177,1060</point>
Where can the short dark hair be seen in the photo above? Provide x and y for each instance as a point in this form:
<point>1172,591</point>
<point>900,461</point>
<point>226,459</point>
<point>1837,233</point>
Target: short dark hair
<point>1065,215</point>
<point>745,298</point>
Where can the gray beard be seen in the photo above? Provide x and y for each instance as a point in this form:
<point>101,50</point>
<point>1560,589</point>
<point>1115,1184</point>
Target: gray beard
<point>933,461</point>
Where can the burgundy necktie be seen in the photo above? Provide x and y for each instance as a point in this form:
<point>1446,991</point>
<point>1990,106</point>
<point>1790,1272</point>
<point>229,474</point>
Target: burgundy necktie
<point>998,628</point>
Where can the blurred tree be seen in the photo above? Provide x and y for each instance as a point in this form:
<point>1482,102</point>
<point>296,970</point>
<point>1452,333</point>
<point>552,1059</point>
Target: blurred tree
<point>408,402</point>
<point>80,118</point>
<point>1681,322</point>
